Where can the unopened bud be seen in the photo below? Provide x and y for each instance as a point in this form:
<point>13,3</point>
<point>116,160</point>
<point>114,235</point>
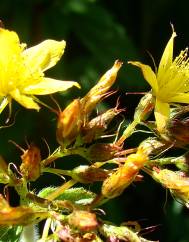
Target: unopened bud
<point>115,184</point>
<point>89,174</point>
<point>95,95</point>
<point>69,123</point>
<point>83,220</point>
<point>31,163</point>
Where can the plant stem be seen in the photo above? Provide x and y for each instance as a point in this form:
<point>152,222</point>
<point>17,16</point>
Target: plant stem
<point>46,229</point>
<point>128,132</point>
<point>61,189</point>
<point>57,171</point>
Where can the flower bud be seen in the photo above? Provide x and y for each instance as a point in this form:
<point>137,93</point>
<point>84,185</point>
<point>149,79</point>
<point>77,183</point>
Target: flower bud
<point>83,220</point>
<point>31,163</point>
<point>95,95</point>
<point>115,184</point>
<point>69,123</point>
<point>89,174</point>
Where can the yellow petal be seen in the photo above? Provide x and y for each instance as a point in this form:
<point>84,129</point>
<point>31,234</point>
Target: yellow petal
<point>148,74</point>
<point>167,57</point>
<point>9,47</point>
<point>162,111</point>
<point>48,86</point>
<point>25,101</point>
<point>180,98</point>
<point>44,55</point>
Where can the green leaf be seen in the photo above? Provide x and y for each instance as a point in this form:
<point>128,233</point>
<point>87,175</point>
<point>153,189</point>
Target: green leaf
<point>10,234</point>
<point>77,195</point>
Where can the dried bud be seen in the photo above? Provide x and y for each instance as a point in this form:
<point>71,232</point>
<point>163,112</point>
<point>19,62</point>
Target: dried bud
<point>89,174</point>
<point>102,152</point>
<point>83,220</point>
<point>177,129</point>
<point>115,184</point>
<point>69,123</point>
<point>31,163</point>
<point>95,128</point>
<point>95,95</point>
<point>177,182</point>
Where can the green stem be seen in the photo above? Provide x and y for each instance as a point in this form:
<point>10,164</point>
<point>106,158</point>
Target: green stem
<point>59,152</point>
<point>57,171</point>
<point>22,190</point>
<point>46,229</point>
<point>128,132</point>
<point>142,111</point>
<point>61,189</point>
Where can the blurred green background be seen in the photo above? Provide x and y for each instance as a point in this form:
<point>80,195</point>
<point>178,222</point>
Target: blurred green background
<point>97,33</point>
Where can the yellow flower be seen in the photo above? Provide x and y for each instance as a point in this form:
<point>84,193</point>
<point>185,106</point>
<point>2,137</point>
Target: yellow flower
<point>21,70</point>
<point>170,84</point>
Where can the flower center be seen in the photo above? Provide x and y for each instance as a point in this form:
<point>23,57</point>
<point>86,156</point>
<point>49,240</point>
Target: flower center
<point>176,78</point>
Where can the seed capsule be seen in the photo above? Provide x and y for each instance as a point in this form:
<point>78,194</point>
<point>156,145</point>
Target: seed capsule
<point>31,163</point>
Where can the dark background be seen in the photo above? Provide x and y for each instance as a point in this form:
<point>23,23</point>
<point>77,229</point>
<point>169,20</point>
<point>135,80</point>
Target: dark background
<point>97,33</point>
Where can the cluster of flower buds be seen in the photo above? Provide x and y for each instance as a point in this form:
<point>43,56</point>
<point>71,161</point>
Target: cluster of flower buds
<point>74,120</point>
